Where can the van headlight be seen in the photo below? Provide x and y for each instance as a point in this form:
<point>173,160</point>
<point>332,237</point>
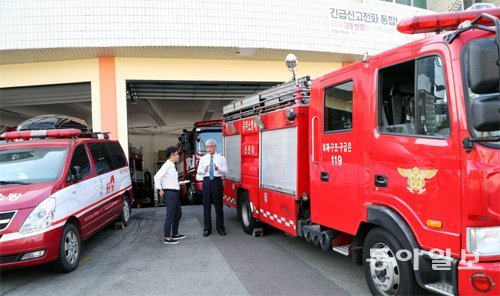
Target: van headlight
<point>483,241</point>
<point>41,217</point>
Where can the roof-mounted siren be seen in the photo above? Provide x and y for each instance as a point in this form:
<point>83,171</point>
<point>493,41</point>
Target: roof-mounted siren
<point>53,121</point>
<point>444,21</point>
<point>291,62</point>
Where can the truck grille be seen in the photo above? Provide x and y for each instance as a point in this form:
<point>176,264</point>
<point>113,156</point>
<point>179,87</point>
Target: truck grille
<point>6,218</point>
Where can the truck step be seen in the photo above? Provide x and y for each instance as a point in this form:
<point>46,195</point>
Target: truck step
<point>258,232</point>
<point>344,250</point>
<point>441,288</point>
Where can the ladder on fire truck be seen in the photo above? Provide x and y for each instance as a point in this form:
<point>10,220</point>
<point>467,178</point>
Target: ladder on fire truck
<point>275,97</point>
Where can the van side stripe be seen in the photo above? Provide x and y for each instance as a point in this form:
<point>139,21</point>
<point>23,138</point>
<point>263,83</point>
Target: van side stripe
<point>92,206</point>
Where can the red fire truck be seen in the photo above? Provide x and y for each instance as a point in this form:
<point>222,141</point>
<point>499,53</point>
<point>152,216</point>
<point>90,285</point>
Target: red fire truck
<point>192,147</point>
<point>394,160</point>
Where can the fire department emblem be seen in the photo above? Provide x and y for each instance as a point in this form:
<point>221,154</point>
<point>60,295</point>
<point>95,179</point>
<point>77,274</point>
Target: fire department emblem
<point>416,178</point>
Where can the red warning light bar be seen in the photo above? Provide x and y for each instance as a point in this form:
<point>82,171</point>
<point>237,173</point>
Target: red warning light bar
<point>26,135</point>
<point>443,21</point>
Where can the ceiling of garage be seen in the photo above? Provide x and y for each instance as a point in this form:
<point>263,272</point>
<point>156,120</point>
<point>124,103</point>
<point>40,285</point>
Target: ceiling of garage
<point>167,107</point>
<point>20,103</point>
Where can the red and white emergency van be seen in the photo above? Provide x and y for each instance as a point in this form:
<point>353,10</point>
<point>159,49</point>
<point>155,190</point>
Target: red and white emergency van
<point>394,160</point>
<point>57,188</point>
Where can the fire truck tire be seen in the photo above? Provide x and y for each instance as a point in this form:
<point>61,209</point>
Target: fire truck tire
<point>125,214</point>
<point>316,239</point>
<point>385,273</point>
<point>190,195</point>
<point>70,249</point>
<point>245,213</point>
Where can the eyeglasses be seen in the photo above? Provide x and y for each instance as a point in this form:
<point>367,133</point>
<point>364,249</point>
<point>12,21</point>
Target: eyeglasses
<point>210,146</point>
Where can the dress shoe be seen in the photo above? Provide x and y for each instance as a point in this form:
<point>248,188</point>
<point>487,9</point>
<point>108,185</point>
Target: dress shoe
<point>222,232</point>
<point>206,233</point>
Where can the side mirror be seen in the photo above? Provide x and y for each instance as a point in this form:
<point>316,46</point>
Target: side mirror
<point>76,173</point>
<point>198,140</point>
<point>486,114</point>
<point>483,74</point>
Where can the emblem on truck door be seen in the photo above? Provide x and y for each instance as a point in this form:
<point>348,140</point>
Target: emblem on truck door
<point>416,178</point>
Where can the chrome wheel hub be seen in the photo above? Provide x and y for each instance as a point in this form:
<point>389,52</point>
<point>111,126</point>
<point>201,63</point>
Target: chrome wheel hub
<point>245,214</point>
<point>384,269</point>
<point>71,247</point>
<point>126,211</point>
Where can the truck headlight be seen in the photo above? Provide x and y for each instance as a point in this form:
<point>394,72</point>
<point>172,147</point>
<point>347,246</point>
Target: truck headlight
<point>483,241</point>
<point>41,217</point>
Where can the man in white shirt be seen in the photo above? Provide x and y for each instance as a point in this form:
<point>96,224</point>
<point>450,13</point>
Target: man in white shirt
<point>166,180</point>
<point>212,167</point>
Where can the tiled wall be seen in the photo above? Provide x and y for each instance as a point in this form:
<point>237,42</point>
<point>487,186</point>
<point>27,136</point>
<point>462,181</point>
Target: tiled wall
<point>279,24</point>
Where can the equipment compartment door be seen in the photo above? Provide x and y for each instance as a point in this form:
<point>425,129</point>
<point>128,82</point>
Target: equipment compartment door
<point>335,177</point>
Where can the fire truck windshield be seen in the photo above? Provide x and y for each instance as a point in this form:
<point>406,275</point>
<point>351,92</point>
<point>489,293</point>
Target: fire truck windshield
<point>203,137</point>
<point>31,166</point>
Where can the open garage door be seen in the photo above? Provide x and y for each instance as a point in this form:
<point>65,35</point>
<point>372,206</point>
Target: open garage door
<point>20,103</point>
<point>159,111</point>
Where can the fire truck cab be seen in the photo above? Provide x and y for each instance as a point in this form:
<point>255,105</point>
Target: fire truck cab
<point>192,147</point>
<point>57,188</point>
<point>394,160</point>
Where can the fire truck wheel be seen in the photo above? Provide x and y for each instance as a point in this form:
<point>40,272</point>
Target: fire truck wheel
<point>385,273</point>
<point>245,214</point>
<point>70,248</point>
<point>190,195</point>
<point>125,215</point>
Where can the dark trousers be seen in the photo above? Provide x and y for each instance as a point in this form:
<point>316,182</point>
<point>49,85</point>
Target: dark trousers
<point>174,213</point>
<point>212,192</point>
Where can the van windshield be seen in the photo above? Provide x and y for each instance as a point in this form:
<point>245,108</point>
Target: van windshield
<point>31,166</point>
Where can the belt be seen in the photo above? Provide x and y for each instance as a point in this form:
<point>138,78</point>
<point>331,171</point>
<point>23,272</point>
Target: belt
<point>215,178</point>
<point>174,190</point>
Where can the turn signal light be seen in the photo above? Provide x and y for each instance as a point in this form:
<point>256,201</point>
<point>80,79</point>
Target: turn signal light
<point>434,223</point>
<point>482,282</point>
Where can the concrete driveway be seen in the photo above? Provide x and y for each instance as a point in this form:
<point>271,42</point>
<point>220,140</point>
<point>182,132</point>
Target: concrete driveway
<point>135,261</point>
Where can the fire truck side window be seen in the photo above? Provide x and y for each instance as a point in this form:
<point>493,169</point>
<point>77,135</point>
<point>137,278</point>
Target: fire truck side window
<point>81,159</point>
<point>101,157</point>
<point>338,107</point>
<point>432,101</point>
<point>401,111</point>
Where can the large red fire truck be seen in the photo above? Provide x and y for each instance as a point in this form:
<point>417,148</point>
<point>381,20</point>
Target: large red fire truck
<point>192,147</point>
<point>394,160</point>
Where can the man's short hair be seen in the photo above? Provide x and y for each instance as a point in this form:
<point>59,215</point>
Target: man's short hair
<point>170,150</point>
<point>211,142</point>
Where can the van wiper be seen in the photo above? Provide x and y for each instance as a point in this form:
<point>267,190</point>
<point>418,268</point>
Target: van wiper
<point>14,182</point>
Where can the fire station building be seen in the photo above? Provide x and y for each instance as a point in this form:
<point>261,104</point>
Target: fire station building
<point>145,70</point>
